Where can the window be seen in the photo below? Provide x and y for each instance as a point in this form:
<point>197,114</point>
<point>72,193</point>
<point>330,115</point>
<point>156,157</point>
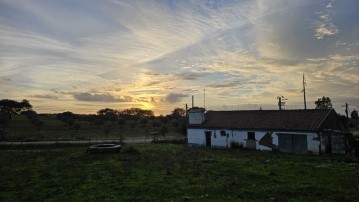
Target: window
<point>251,136</point>
<point>223,133</point>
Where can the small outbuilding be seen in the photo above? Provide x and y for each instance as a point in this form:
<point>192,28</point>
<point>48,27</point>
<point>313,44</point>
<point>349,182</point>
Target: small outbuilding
<point>293,131</point>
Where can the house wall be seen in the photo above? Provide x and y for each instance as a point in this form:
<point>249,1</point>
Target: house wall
<point>197,138</point>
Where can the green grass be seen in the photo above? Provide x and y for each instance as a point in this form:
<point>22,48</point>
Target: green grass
<point>21,129</point>
<point>165,172</point>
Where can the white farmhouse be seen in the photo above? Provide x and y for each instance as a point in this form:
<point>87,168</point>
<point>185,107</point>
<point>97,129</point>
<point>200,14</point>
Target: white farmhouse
<point>294,131</point>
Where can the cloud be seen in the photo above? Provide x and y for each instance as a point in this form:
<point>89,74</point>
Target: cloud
<point>6,79</point>
<point>190,75</point>
<point>224,84</point>
<point>45,96</point>
<point>325,27</point>
<point>98,97</point>
<point>175,97</point>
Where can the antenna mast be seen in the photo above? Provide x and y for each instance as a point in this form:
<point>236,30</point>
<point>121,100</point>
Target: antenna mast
<point>305,101</point>
<point>204,98</point>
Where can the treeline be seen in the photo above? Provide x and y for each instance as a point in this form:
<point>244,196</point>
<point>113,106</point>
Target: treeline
<point>105,118</point>
<point>133,117</point>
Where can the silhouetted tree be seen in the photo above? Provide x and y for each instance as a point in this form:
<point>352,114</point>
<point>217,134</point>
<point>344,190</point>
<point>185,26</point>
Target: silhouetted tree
<point>99,121</point>
<point>38,123</point>
<point>136,112</point>
<point>323,103</point>
<point>113,118</point>
<point>178,113</point>
<point>4,123</point>
<point>354,114</point>
<point>107,130</point>
<point>30,114</point>
<point>163,130</point>
<point>9,107</point>
<point>175,123</point>
<point>121,121</point>
<point>144,121</point>
<point>163,119</point>
<point>156,123</point>
<point>107,112</point>
<point>132,124</point>
<point>77,127</point>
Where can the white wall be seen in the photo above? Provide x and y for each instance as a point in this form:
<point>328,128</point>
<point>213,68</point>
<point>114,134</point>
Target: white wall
<point>196,137</point>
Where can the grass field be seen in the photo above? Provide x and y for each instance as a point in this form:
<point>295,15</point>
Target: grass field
<point>165,172</point>
<point>21,129</point>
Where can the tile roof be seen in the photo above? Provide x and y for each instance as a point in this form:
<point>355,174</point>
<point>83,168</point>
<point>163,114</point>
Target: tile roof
<point>297,120</point>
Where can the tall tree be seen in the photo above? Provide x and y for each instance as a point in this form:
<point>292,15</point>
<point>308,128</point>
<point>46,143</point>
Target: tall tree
<point>323,103</point>
<point>10,107</point>
<point>107,112</point>
<point>178,113</point>
<point>137,112</point>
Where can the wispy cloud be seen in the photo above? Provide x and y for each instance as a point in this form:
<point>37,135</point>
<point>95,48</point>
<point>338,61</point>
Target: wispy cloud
<point>45,96</point>
<point>325,26</point>
<point>98,97</point>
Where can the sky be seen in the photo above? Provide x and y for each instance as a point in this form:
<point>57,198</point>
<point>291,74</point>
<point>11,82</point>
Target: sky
<point>86,55</point>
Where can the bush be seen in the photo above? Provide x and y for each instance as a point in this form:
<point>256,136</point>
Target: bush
<point>130,150</point>
<point>237,145</point>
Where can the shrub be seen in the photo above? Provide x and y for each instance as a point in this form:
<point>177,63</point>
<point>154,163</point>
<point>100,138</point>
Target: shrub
<point>130,150</point>
<point>236,145</point>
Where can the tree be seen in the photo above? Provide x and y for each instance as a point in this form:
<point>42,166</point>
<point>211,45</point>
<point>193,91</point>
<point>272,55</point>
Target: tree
<point>106,112</point>
<point>136,112</point>
<point>354,114</point>
<point>178,113</point>
<point>156,123</point>
<point>99,121</point>
<point>4,123</point>
<point>37,123</point>
<point>323,103</point>
<point>77,127</point>
<point>144,121</point>
<point>107,130</point>
<point>163,119</point>
<point>10,107</point>
<point>121,121</point>
<point>113,118</point>
<point>132,124</point>
<point>163,130</point>
<point>175,123</point>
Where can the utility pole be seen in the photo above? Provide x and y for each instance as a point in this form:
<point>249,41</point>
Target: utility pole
<point>346,109</point>
<point>305,101</point>
<point>280,102</point>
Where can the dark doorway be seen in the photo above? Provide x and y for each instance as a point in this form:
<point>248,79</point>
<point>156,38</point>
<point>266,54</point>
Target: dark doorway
<point>208,138</point>
<point>251,141</point>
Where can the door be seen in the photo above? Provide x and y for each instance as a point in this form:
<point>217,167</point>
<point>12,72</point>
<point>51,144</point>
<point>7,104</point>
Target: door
<point>285,142</point>
<point>300,144</point>
<point>292,143</point>
<point>208,138</point>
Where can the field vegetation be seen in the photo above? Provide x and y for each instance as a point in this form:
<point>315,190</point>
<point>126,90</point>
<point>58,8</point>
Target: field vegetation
<point>167,172</point>
<point>84,127</point>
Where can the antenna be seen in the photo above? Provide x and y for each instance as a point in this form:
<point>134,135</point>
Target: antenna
<point>305,101</point>
<point>204,98</point>
<point>192,101</point>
